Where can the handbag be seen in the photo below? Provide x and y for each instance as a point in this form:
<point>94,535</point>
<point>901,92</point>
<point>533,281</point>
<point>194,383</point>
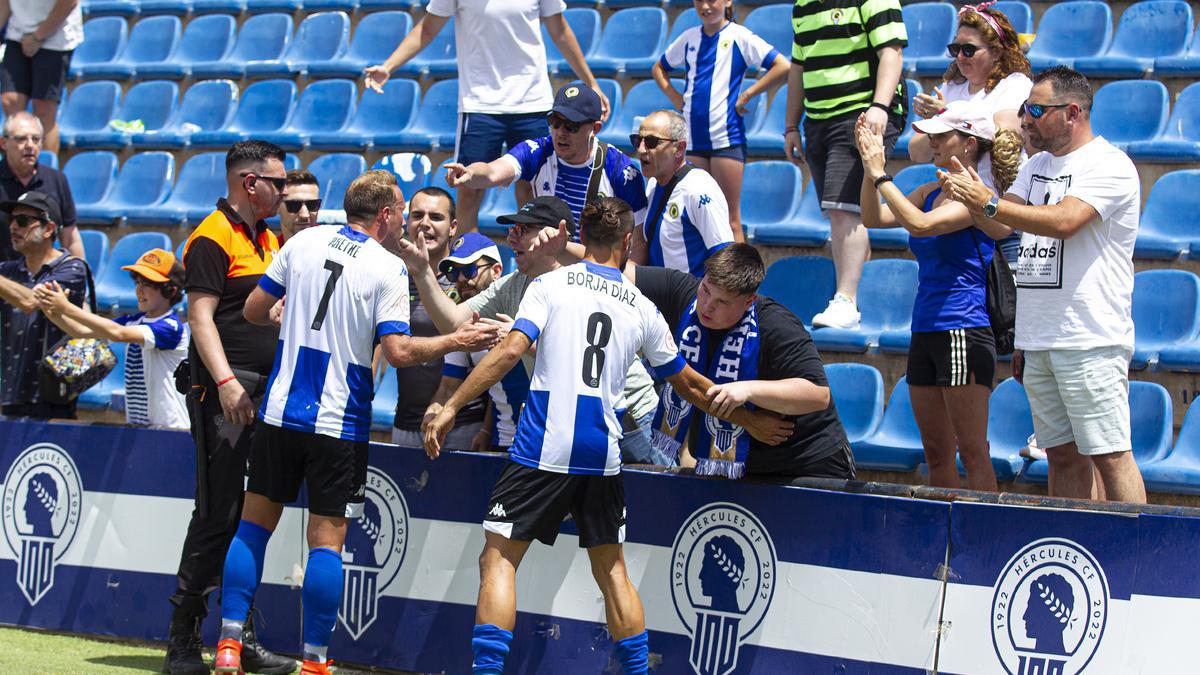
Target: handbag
<point>73,365</point>
<point>1001,299</point>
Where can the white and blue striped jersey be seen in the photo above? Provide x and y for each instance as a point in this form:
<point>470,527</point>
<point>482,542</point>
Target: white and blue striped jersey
<point>589,324</point>
<point>715,67</point>
<point>694,224</point>
<point>344,292</point>
<point>507,395</point>
<point>536,162</point>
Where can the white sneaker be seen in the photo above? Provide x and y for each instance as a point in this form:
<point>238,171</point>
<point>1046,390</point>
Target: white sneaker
<point>840,313</point>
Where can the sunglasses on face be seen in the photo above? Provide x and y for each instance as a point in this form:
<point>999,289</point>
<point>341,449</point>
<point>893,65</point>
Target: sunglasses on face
<point>23,221</point>
<point>279,182</point>
<point>453,272</point>
<point>557,123</point>
<point>968,50</point>
<point>1036,110</point>
<point>650,141</point>
<point>293,205</point>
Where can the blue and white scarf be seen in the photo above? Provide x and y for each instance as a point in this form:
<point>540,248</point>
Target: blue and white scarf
<point>720,447</point>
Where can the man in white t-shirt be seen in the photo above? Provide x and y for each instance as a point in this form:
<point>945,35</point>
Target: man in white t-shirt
<point>503,85</point>
<point>39,41</point>
<point>1076,203</point>
<point>687,219</point>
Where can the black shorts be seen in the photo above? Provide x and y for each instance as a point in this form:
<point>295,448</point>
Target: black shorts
<point>833,158</point>
<point>952,358</point>
<point>335,470</point>
<point>528,504</point>
<point>41,77</point>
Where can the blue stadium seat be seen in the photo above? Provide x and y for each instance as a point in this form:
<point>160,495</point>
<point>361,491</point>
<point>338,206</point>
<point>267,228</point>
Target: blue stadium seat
<point>144,180</point>
<point>103,39</point>
<point>91,175</point>
<point>152,102</point>
<point>378,116</point>
<point>1018,12</point>
<point>334,172</point>
<point>1166,312</point>
<point>48,158</point>
<point>772,23</point>
<point>201,182</point>
<point>1162,233</point>
<point>643,98</point>
<point>263,38</point>
<point>156,7</point>
<point>1010,424</point>
<point>809,227</point>
<point>264,107</point>
<point>1147,30</point>
<point>683,21</point>
<point>1069,31</point>
<point>771,193</point>
<point>410,168</point>
<point>896,443</point>
<point>802,283</point>
<point>1186,64</point>
<point>375,36</point>
<point>218,6</point>
<point>438,58</point>
<point>585,23</point>
<point>320,37</point>
<point>767,138</point>
<point>127,8</point>
<point>1179,471</point>
<point>1180,141</point>
<point>434,126</point>
<point>497,202</point>
<point>95,249</point>
<point>114,288</point>
<point>632,42</point>
<point>930,28</point>
<point>885,298</point>
<point>906,134</point>
<point>99,396</point>
<point>206,106</point>
<point>1130,110</point>
<point>857,391</point>
<point>907,179</point>
<point>326,106</point>
<point>89,108</point>
<point>207,39</point>
<point>383,407</point>
<point>151,40</point>
<point>1150,420</point>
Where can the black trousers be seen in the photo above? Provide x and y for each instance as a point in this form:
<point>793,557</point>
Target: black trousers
<point>220,471</point>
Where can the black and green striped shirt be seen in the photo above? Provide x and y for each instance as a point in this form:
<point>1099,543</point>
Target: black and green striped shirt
<point>836,41</point>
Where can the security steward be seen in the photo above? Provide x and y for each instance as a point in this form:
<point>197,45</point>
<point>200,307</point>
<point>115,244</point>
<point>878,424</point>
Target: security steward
<point>230,360</point>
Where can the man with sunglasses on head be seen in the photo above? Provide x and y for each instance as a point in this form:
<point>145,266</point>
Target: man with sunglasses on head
<point>300,207</point>
<point>20,172</point>
<point>230,360</point>
<point>571,163</point>
<point>688,217</point>
<point>33,220</point>
<point>1077,205</point>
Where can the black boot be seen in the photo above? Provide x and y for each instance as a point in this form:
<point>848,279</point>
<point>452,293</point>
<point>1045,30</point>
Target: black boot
<point>257,658</point>
<point>184,641</point>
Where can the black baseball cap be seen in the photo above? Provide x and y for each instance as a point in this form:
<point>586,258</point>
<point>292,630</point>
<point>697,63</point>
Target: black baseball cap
<point>577,102</point>
<point>38,201</point>
<point>546,210</point>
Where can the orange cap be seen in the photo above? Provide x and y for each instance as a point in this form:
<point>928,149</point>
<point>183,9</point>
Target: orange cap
<point>154,265</point>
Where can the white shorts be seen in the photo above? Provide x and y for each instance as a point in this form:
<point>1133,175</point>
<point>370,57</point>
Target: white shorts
<point>459,438</point>
<point>1080,395</point>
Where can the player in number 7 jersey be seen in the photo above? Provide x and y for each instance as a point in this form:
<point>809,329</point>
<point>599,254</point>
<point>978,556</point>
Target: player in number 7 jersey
<point>589,325</point>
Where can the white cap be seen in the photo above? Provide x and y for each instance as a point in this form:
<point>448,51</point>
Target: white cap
<point>969,117</point>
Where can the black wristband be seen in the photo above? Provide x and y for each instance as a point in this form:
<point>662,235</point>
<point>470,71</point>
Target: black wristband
<point>885,178</point>
<point>885,108</point>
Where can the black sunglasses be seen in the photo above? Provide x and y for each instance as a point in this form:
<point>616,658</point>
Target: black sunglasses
<point>557,123</point>
<point>24,221</point>
<point>651,141</point>
<point>280,182</point>
<point>968,50</point>
<point>1036,110</point>
<point>293,205</point>
<point>453,272</point>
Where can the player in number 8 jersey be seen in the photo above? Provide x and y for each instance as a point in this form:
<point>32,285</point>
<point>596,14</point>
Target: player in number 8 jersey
<point>589,325</point>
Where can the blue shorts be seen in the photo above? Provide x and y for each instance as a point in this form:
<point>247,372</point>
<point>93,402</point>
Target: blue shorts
<point>482,137</point>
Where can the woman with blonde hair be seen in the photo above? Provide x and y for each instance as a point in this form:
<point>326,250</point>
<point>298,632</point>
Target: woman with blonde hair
<point>952,359</point>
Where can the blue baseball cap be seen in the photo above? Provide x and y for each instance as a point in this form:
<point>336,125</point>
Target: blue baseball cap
<point>577,102</point>
<point>467,249</point>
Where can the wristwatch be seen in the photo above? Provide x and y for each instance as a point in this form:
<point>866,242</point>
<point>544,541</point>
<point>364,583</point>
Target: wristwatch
<point>989,209</point>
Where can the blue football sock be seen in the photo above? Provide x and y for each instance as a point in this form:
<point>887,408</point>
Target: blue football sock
<point>321,595</point>
<point>490,645</point>
<point>243,570</point>
<point>634,654</point>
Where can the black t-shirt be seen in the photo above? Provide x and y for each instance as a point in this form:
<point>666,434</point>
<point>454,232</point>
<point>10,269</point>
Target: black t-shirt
<point>786,351</point>
<point>417,384</point>
<point>45,180</point>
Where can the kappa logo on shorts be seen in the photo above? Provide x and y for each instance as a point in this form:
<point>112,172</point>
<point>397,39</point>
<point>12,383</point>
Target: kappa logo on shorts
<point>42,500</point>
<point>722,581</point>
<point>375,546</point>
<point>1049,609</point>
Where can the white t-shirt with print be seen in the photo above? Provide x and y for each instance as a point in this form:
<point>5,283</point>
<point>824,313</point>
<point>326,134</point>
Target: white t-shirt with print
<point>501,56</point>
<point>1008,94</point>
<point>1077,293</point>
